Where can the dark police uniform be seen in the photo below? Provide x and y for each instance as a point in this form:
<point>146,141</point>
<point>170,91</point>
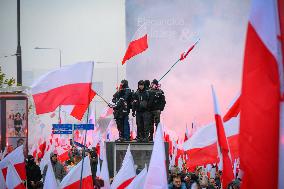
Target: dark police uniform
<point>143,116</point>
<point>157,102</point>
<point>122,100</point>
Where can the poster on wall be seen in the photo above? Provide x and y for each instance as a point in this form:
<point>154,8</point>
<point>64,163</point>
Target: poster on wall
<point>16,118</point>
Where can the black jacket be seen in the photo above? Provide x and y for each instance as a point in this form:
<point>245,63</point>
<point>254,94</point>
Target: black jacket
<point>122,100</point>
<point>33,173</point>
<point>157,100</point>
<point>140,100</point>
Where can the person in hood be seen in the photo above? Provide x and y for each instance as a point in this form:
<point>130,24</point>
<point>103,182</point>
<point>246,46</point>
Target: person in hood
<point>33,173</point>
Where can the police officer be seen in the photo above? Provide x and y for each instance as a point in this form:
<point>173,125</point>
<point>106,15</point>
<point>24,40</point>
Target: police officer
<point>157,104</point>
<point>143,117</point>
<point>147,84</point>
<point>122,100</point>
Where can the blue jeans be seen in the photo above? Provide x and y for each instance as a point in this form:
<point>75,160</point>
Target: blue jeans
<point>126,128</point>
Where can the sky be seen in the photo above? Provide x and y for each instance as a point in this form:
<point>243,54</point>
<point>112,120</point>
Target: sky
<point>100,30</point>
<point>173,26</point>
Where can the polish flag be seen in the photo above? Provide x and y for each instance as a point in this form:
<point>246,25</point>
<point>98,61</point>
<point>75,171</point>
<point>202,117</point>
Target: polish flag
<point>107,111</point>
<point>62,155</point>
<point>201,147</point>
<point>72,179</point>
<point>136,47</point>
<point>46,158</point>
<point>33,150</point>
<point>186,134</point>
<point>262,105</point>
<point>184,54</point>
<point>13,180</point>
<point>138,44</point>
<point>42,148</point>
<point>233,111</point>
<point>17,159</point>
<point>2,181</point>
<point>104,171</point>
<point>227,174</point>
<point>139,180</point>
<point>126,173</point>
<point>50,180</point>
<point>157,173</point>
<point>98,172</point>
<point>79,110</point>
<point>69,85</point>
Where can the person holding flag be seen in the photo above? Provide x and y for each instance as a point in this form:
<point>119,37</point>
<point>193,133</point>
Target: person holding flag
<point>122,100</point>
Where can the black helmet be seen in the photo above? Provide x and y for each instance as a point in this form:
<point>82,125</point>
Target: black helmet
<point>141,82</point>
<point>30,159</point>
<point>155,81</point>
<point>124,83</point>
<point>147,83</point>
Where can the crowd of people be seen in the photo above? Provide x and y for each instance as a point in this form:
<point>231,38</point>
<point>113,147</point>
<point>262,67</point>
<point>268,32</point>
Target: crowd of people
<point>36,177</point>
<point>146,104</point>
<point>198,179</point>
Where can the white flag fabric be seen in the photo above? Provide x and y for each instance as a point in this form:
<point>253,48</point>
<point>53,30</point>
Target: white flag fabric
<point>104,171</point>
<point>63,86</point>
<point>50,180</point>
<point>2,181</point>
<point>139,180</point>
<point>126,173</point>
<point>72,179</point>
<point>98,172</point>
<point>17,159</point>
<point>157,173</point>
<point>13,180</point>
<point>46,158</point>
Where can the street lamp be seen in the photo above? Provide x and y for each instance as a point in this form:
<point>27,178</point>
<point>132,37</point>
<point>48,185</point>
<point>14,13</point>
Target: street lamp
<point>60,65</point>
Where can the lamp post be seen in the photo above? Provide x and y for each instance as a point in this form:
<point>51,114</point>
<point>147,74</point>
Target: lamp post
<point>60,65</point>
<point>19,51</point>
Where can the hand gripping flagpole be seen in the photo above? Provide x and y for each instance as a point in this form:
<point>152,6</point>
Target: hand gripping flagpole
<point>183,56</point>
<point>85,139</point>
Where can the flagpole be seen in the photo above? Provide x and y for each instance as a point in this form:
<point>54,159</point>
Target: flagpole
<point>179,59</point>
<point>83,152</point>
<point>169,70</point>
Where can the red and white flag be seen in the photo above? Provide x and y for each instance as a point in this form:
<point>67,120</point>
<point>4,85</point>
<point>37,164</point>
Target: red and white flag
<point>138,45</point>
<point>184,54</point>
<point>139,180</point>
<point>157,172</point>
<point>72,179</point>
<point>98,172</point>
<point>17,159</point>
<point>201,147</point>
<point>233,111</point>
<point>186,134</point>
<point>104,171</point>
<point>69,85</point>
<point>13,180</point>
<point>107,111</point>
<point>50,180</point>
<point>2,181</point>
<point>227,174</point>
<point>262,105</point>
<point>126,173</point>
